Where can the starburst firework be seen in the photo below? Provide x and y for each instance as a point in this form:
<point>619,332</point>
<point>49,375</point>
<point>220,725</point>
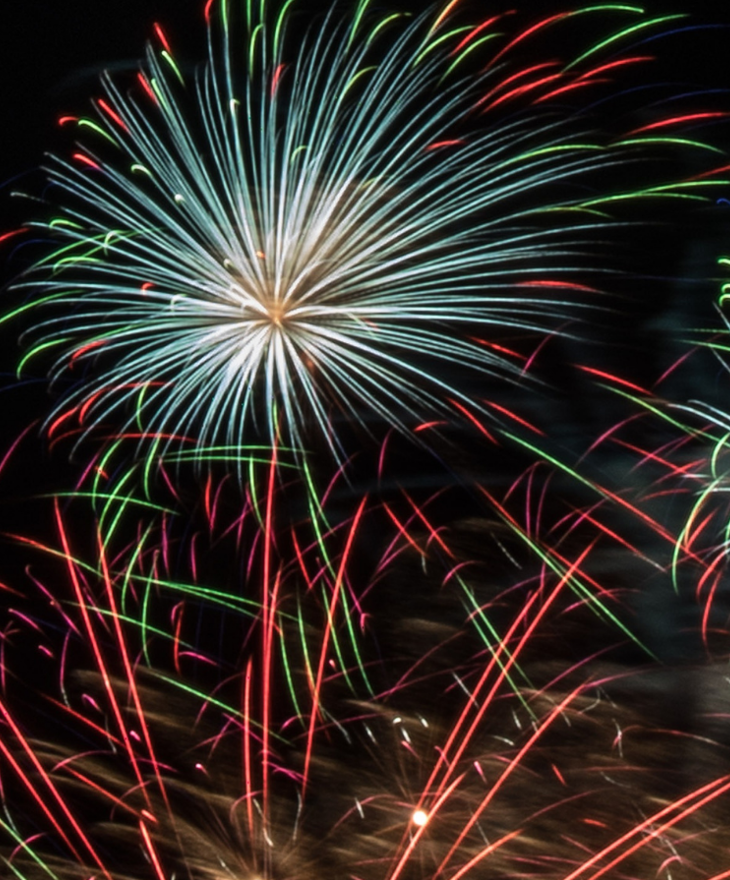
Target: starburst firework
<point>321,228</point>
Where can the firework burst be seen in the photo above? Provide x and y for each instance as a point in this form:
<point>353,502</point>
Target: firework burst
<point>326,227</point>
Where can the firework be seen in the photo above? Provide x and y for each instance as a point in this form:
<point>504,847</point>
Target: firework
<point>489,725</point>
<point>328,225</point>
<point>476,757</point>
<point>279,671</point>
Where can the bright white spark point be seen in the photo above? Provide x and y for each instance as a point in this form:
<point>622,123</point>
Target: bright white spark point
<point>420,818</point>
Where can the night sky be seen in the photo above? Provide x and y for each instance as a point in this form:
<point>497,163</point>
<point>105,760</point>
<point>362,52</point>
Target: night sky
<point>51,55</point>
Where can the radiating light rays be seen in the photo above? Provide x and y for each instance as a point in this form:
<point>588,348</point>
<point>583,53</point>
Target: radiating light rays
<point>317,228</point>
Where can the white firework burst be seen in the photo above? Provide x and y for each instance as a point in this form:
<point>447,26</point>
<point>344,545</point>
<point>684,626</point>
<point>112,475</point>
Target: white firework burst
<point>304,231</point>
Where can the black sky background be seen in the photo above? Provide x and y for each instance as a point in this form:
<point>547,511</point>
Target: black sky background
<point>51,55</point>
